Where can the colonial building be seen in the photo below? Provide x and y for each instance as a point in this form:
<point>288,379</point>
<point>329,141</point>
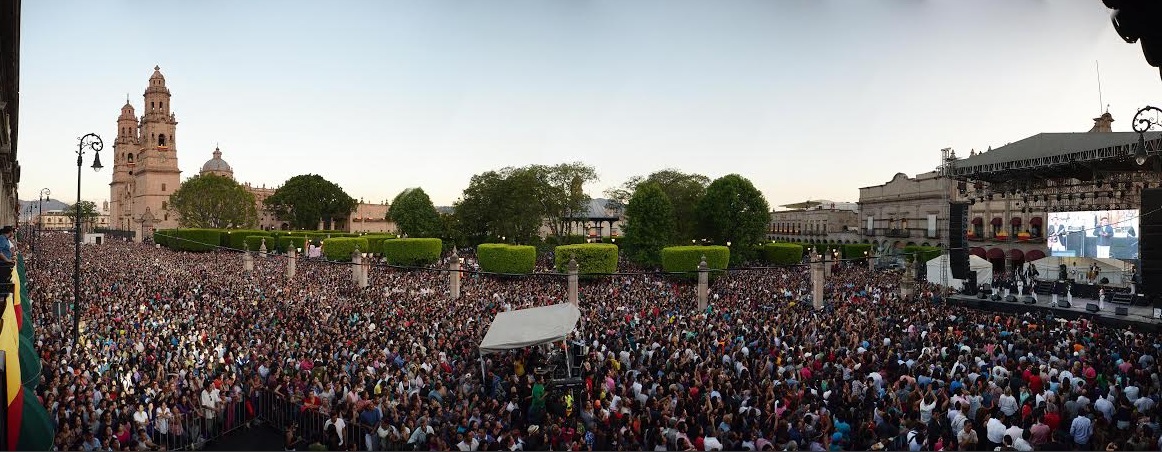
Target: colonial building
<point>9,111</point>
<point>819,221</point>
<point>145,163</point>
<point>907,211</point>
<point>58,220</point>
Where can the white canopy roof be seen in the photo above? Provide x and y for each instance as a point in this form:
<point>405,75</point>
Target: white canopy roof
<point>528,327</point>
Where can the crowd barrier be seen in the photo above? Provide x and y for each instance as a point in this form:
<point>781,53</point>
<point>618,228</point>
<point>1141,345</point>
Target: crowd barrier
<point>310,424</point>
<point>192,430</point>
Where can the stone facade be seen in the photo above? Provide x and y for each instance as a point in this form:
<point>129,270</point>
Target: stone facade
<point>145,164</point>
<point>367,218</point>
<point>905,210</point>
<point>57,220</point>
<point>816,222</point>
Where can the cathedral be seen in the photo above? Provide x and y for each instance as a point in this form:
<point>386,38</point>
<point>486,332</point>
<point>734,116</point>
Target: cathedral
<point>145,163</point>
<point>145,173</point>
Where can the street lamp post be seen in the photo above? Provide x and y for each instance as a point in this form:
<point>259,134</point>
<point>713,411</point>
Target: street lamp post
<point>1143,124</point>
<point>44,193</point>
<point>90,141</point>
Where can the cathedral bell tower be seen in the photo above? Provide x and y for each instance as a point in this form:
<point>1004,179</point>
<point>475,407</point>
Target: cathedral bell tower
<point>145,169</point>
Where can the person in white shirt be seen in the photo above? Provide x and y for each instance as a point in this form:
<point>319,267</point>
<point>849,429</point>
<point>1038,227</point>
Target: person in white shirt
<point>994,430</point>
<point>338,423</point>
<point>210,403</point>
<point>710,442</point>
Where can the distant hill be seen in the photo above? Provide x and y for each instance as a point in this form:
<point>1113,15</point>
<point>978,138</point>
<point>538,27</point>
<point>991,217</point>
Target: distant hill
<point>49,205</point>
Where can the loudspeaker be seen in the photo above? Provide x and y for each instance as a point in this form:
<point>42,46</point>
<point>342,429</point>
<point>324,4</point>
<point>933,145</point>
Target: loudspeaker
<point>958,239</point>
<point>1091,307</point>
<point>1028,300</point>
<point>1150,241</point>
<point>995,298</point>
<point>1122,310</point>
<point>578,354</point>
<point>1011,298</point>
<point>1063,304</point>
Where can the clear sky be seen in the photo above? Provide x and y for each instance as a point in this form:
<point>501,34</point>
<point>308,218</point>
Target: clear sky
<point>807,98</point>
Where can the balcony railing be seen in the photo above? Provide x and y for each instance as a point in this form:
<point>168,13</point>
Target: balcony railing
<point>899,233</point>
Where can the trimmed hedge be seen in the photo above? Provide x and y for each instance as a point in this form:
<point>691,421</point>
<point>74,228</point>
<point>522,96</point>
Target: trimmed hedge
<point>375,242</point>
<point>509,259</point>
<point>856,250</point>
<point>287,241</point>
<point>413,252</point>
<point>194,239</point>
<point>924,253</point>
<point>780,254</point>
<point>254,243</point>
<point>340,248</point>
<point>686,258</point>
<point>162,237</point>
<point>592,258</point>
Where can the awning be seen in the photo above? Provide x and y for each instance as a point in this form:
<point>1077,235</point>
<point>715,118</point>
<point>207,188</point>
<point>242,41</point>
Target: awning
<point>977,251</point>
<point>1016,254</point>
<point>528,327</point>
<point>1034,255</point>
<point>998,221</point>
<point>978,221</point>
<point>1016,221</point>
<point>1035,221</point>
<point>996,254</point>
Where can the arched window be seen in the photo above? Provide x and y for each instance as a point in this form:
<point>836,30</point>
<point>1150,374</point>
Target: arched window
<point>161,140</point>
<point>152,105</point>
<point>131,157</point>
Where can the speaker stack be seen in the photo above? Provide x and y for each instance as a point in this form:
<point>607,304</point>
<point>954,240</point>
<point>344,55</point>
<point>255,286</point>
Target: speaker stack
<point>1150,241</point>
<point>958,239</point>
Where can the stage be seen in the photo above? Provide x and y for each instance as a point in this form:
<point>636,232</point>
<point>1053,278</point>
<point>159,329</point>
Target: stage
<point>1138,316</point>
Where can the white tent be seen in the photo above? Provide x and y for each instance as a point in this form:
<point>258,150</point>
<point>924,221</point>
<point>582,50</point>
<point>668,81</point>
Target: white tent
<point>983,269</point>
<point>528,327</point>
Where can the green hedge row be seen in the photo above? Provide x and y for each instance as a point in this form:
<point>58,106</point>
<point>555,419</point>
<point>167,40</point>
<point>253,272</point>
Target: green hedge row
<point>780,253</point>
<point>375,242</point>
<point>592,258</point>
<point>924,253</point>
<point>162,237</point>
<point>254,243</point>
<point>285,242</point>
<point>235,239</point>
<point>508,259</point>
<point>412,252</point>
<point>856,250</point>
<point>193,239</point>
<point>686,258</point>
<point>340,248</point>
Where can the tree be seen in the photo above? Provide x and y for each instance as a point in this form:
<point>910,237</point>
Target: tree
<point>215,202</point>
<point>560,191</point>
<point>500,204</point>
<point>650,224</point>
<point>307,199</point>
<point>88,211</point>
<point>414,214</point>
<point>734,211</point>
<point>683,190</point>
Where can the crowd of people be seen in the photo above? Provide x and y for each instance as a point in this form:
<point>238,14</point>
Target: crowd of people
<point>178,348</point>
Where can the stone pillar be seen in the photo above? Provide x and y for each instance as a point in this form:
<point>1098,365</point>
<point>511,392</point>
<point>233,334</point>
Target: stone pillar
<point>573,269</point>
<point>817,278</point>
<point>454,277</point>
<point>827,263</point>
<point>247,262</point>
<point>291,259</point>
<point>356,265</point>
<point>262,247</point>
<point>703,284</point>
<point>871,263</point>
<point>909,280</point>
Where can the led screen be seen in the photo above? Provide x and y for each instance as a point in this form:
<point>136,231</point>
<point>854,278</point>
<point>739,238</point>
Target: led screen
<point>1093,233</point>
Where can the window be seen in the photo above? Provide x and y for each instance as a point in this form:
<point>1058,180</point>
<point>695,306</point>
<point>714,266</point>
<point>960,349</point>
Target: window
<point>164,205</point>
<point>152,105</point>
<point>161,140</point>
<point>163,189</point>
<point>131,158</point>
<point>161,105</point>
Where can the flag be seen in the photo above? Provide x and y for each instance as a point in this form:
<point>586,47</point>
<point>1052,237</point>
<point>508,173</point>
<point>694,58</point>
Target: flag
<point>16,288</point>
<point>10,344</point>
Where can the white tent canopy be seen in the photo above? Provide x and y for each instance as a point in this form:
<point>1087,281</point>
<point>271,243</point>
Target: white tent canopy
<point>983,269</point>
<point>528,327</point>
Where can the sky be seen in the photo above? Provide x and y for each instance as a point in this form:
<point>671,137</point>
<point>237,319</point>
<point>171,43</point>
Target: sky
<point>809,99</point>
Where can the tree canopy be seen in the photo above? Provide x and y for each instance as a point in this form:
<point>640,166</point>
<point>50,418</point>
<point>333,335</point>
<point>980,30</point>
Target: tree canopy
<point>88,211</point>
<point>683,190</point>
<point>734,211</point>
<point>650,224</point>
<point>501,204</point>
<point>216,202</point>
<point>415,215</point>
<point>308,199</point>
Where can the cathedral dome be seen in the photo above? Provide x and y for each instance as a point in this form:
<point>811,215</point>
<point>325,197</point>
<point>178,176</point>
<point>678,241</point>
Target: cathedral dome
<point>217,166</point>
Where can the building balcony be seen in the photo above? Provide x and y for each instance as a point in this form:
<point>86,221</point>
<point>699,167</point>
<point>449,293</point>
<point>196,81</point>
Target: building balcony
<point>898,233</point>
